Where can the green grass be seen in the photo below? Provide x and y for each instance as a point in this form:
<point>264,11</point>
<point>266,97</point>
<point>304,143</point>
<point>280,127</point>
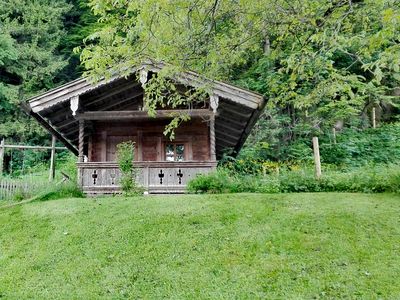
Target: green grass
<point>245,246</point>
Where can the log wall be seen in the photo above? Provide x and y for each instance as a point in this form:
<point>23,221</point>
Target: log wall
<point>149,138</point>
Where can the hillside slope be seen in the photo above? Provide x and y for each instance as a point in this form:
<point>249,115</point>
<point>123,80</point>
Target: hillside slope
<point>223,246</point>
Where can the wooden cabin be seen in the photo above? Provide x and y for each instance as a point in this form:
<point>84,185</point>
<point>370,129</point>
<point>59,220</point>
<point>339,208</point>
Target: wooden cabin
<point>92,119</point>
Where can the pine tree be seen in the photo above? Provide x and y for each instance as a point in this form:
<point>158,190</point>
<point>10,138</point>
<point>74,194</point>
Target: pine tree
<point>30,35</point>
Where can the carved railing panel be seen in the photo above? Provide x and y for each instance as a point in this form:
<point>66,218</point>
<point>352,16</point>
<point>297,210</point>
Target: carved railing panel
<point>98,176</point>
<point>160,177</point>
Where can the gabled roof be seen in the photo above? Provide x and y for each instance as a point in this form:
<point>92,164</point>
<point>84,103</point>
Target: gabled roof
<point>237,112</point>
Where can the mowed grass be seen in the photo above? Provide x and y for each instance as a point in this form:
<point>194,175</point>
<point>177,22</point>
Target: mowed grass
<point>243,246</point>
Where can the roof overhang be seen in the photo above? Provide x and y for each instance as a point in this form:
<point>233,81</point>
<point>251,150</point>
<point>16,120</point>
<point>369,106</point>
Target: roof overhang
<point>237,112</point>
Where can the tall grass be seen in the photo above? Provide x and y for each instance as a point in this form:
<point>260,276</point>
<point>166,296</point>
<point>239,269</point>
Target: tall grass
<point>367,179</point>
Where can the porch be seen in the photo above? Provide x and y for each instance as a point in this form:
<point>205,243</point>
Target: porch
<point>155,176</point>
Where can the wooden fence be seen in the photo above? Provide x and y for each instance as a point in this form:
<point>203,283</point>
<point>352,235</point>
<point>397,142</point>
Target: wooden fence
<point>53,149</point>
<point>13,189</point>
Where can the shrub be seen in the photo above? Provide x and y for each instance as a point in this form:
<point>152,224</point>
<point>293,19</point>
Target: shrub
<point>369,179</point>
<point>354,148</point>
<point>215,182</point>
<point>125,158</point>
<point>67,164</point>
<point>19,195</point>
<point>357,148</point>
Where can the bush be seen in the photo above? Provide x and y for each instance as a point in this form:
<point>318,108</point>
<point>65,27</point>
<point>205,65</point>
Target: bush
<point>369,179</point>
<point>357,148</point>
<point>19,195</point>
<point>354,148</point>
<point>61,191</point>
<point>215,182</point>
<point>67,164</point>
<point>125,158</point>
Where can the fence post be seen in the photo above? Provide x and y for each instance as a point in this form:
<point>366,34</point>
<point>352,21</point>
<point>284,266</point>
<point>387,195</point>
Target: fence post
<point>2,149</point>
<point>373,117</point>
<point>317,158</point>
<point>52,172</point>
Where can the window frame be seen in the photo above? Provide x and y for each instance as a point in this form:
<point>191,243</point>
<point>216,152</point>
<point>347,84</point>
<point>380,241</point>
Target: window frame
<point>175,143</point>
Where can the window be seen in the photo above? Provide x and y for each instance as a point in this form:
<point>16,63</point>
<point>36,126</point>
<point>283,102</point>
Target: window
<point>175,152</point>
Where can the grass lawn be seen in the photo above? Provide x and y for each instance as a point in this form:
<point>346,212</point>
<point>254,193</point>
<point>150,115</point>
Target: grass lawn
<point>243,246</point>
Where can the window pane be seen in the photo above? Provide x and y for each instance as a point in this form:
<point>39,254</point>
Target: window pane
<point>170,152</point>
<point>180,152</point>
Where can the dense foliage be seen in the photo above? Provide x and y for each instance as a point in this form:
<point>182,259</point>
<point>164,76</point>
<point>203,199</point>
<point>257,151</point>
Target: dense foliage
<point>30,33</point>
<point>368,179</point>
<point>321,63</point>
<point>36,42</point>
<point>351,148</point>
<point>356,147</point>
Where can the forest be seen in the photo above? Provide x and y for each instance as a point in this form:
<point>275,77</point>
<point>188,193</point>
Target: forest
<point>323,66</point>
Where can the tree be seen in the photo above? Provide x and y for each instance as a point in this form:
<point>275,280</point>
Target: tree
<point>30,34</point>
<point>328,68</point>
<point>79,23</point>
<point>207,36</point>
<point>319,62</point>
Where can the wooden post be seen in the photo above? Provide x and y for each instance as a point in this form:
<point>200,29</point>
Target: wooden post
<point>214,103</point>
<point>139,146</point>
<point>317,158</point>
<point>373,117</point>
<point>81,140</point>
<point>213,155</point>
<point>334,135</point>
<point>52,171</point>
<point>2,150</point>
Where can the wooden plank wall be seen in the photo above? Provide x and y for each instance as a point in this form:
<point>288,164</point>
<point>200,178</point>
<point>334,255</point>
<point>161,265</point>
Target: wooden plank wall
<point>150,140</point>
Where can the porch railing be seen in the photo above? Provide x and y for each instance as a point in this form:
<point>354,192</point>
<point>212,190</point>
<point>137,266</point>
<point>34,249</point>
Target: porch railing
<point>155,177</point>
